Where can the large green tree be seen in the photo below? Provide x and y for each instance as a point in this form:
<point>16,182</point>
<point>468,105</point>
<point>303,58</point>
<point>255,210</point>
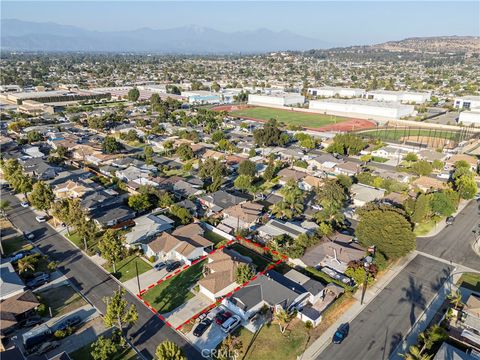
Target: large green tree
<point>118,312</point>
<point>247,167</point>
<point>346,144</point>
<point>42,196</point>
<point>110,145</point>
<point>168,350</point>
<point>111,247</point>
<point>387,229</point>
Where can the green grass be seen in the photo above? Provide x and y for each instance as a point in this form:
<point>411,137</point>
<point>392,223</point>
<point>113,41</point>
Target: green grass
<point>84,354</point>
<point>470,281</point>
<point>175,291</point>
<point>289,117</point>
<point>392,134</point>
<point>61,299</point>
<point>271,344</point>
<point>213,237</point>
<point>126,268</point>
<point>379,159</point>
<point>256,257</point>
<point>423,229</point>
<point>14,244</point>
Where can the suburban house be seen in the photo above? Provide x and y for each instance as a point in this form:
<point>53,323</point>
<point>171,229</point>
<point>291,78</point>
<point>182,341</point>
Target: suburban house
<point>219,273</point>
<point>310,182</point>
<point>290,174</point>
<point>348,168</point>
<point>392,175</point>
<point>334,251</point>
<point>17,308</point>
<point>431,155</point>
<point>363,194</point>
<point>241,216</point>
<point>186,244</point>
<point>186,188</point>
<point>276,291</point>
<point>10,282</point>
<point>324,162</point>
<point>471,160</point>
<point>392,152</point>
<point>221,200</point>
<point>148,226</point>
<point>132,173</point>
<point>39,169</point>
<point>75,189</point>
<point>276,227</point>
<point>111,215</point>
<point>426,183</point>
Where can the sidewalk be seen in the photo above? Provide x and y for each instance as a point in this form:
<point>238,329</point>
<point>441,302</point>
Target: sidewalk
<point>326,338</point>
<point>442,224</point>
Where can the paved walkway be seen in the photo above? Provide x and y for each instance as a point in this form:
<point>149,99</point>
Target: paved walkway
<point>186,311</point>
<point>372,291</point>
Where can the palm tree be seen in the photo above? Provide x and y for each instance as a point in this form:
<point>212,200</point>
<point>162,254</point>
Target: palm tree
<point>283,318</point>
<point>4,207</point>
<point>282,210</point>
<point>455,298</point>
<point>25,264</point>
<point>414,353</point>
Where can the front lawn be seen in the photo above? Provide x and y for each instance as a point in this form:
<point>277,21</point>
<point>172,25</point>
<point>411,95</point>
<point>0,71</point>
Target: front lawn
<point>257,258</point>
<point>470,281</point>
<point>14,244</point>
<point>61,299</point>
<point>75,238</point>
<point>423,229</point>
<point>126,268</point>
<point>84,353</point>
<point>213,237</point>
<point>173,292</point>
<point>379,159</point>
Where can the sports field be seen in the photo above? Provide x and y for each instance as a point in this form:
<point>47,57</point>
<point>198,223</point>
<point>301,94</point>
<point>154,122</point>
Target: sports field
<point>288,117</point>
<point>398,134</point>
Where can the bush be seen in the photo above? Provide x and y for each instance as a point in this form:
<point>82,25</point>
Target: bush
<point>151,258</point>
<point>42,310</point>
<point>380,261</point>
<point>60,334</point>
<point>324,278</point>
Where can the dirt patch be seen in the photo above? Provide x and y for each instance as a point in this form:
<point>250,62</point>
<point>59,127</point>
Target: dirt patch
<point>349,125</point>
<point>433,142</point>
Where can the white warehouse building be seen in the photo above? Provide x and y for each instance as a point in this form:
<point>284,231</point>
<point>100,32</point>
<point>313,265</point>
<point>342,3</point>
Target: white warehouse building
<point>363,108</point>
<point>281,99</point>
<point>399,96</point>
<point>471,117</point>
<point>332,91</point>
<point>467,102</point>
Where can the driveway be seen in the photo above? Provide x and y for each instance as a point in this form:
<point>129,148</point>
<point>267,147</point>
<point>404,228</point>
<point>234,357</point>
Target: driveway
<point>146,279</point>
<point>186,311</point>
<point>210,338</point>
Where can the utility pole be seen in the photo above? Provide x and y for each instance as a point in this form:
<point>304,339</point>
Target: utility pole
<point>138,279</point>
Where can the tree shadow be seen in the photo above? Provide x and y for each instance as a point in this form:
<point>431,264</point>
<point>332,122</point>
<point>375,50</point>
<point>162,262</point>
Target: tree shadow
<point>413,296</point>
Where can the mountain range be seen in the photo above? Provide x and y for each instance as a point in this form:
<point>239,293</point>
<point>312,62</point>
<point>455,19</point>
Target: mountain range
<point>19,35</point>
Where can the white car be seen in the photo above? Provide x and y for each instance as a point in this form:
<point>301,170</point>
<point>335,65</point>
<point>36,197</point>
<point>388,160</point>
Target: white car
<point>25,204</point>
<point>41,219</point>
<point>231,323</point>
<point>443,176</point>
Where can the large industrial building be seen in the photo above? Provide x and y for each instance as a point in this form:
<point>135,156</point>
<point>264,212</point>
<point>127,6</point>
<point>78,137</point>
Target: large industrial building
<point>399,96</point>
<point>471,117</point>
<point>467,102</point>
<point>280,99</point>
<point>53,96</point>
<point>332,91</point>
<point>202,97</point>
<point>363,108</point>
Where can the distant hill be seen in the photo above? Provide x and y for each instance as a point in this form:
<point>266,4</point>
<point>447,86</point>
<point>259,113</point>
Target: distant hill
<point>437,44</point>
<point>21,35</point>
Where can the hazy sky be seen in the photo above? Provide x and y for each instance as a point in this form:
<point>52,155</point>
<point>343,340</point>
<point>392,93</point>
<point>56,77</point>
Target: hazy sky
<point>337,22</point>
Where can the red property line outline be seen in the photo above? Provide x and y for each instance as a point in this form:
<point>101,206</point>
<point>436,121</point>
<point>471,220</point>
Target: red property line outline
<point>219,300</point>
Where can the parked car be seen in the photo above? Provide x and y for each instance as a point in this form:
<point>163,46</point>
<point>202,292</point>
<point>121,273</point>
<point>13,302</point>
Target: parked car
<point>38,280</point>
<point>41,218</point>
<point>31,321</point>
<point>231,323</point>
<point>159,266</point>
<point>45,347</point>
<point>25,204</point>
<point>222,316</point>
<point>449,220</point>
<point>341,333</point>
<point>202,327</point>
<point>19,255</point>
<point>29,235</point>
<point>70,322</point>
<point>173,266</point>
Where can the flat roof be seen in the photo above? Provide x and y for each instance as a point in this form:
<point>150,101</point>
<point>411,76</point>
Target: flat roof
<point>365,102</point>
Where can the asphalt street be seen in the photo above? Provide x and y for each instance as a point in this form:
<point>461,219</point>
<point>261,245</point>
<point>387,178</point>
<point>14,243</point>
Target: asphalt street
<point>93,282</point>
<point>454,243</point>
<point>380,327</point>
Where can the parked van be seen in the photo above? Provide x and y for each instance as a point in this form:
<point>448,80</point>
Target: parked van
<point>36,336</point>
<point>231,323</point>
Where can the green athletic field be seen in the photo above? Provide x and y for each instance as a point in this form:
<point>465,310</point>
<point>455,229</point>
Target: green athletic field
<point>289,117</point>
<point>397,134</point>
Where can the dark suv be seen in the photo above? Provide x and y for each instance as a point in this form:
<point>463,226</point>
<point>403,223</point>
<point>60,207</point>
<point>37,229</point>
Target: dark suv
<point>173,266</point>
